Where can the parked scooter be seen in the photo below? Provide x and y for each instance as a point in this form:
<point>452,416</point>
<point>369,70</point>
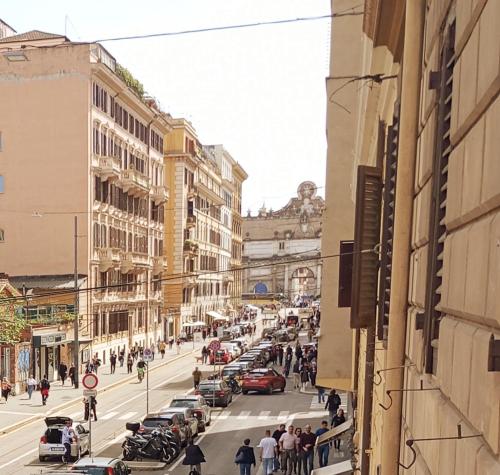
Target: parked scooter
<point>153,446</point>
<point>234,385</point>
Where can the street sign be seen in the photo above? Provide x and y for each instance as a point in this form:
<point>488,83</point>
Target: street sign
<point>90,381</point>
<point>90,392</point>
<point>214,345</point>
<point>147,354</point>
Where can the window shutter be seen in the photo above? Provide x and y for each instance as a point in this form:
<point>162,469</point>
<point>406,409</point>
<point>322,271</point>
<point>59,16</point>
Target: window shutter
<point>437,227</point>
<point>390,174</point>
<point>345,273</point>
<point>366,237</point>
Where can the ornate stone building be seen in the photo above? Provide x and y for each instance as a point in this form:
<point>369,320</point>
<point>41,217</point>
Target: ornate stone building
<point>280,248</point>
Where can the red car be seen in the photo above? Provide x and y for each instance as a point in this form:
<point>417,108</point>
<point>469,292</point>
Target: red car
<point>221,356</point>
<point>263,380</point>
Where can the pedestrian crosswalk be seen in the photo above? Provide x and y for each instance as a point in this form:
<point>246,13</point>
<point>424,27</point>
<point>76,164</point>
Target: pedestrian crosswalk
<point>317,406</point>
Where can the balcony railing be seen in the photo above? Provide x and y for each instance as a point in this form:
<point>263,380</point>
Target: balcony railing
<point>202,188</point>
<point>159,194</point>
<point>134,182</point>
<point>191,221</point>
<point>192,192</point>
<point>107,258</point>
<point>130,260</point>
<point>190,247</point>
<point>159,264</point>
<point>106,167</point>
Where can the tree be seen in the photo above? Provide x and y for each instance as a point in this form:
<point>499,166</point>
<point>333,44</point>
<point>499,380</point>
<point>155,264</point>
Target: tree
<point>130,80</point>
<point>12,323</point>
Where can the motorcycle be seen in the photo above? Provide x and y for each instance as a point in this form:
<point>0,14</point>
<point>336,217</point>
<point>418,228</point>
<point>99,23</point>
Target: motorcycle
<point>153,446</point>
<point>234,385</point>
<point>140,374</point>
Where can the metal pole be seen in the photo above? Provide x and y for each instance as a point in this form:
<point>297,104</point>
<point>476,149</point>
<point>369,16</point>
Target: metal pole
<point>213,382</point>
<point>76,346</point>
<point>147,387</point>
<point>91,400</point>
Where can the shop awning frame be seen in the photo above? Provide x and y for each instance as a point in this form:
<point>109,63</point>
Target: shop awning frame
<point>334,432</point>
<point>217,316</point>
<point>339,468</point>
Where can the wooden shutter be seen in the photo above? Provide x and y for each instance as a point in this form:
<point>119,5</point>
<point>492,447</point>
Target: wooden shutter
<point>437,227</point>
<point>345,273</point>
<point>366,238</point>
<point>389,206</point>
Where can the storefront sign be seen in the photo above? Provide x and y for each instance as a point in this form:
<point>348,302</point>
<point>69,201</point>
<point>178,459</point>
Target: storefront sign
<point>49,339</point>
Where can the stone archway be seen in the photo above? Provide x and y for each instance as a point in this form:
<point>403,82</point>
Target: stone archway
<point>303,282</point>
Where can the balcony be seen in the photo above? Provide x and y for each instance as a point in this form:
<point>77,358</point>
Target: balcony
<point>132,260</point>
<point>192,192</point>
<point>134,182</point>
<point>202,188</point>
<point>159,194</point>
<point>189,280</point>
<point>159,264</point>
<point>107,258</point>
<point>190,247</point>
<point>106,167</point>
<point>229,277</point>
<point>191,221</point>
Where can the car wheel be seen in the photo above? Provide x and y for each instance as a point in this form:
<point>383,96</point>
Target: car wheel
<point>270,390</point>
<point>245,391</point>
<point>42,458</point>
<point>209,420</point>
<point>282,389</point>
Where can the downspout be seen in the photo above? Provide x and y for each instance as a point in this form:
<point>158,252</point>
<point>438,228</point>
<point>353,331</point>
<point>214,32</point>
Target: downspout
<point>396,341</point>
<point>368,401</point>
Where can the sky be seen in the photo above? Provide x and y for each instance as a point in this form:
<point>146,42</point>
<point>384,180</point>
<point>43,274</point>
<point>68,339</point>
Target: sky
<point>258,91</point>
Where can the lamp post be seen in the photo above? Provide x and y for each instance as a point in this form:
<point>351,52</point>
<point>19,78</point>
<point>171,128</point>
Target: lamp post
<point>76,345</point>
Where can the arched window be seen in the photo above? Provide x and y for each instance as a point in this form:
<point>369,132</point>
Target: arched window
<point>104,240</point>
<point>96,235</point>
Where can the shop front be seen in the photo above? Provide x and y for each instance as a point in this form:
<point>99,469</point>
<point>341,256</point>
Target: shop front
<point>47,355</point>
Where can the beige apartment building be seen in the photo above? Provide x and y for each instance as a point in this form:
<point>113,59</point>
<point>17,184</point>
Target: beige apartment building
<point>199,282</point>
<point>413,174</point>
<point>77,142</point>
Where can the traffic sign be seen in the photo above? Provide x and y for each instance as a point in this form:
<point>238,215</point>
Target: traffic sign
<point>147,354</point>
<point>90,381</point>
<point>214,345</point>
<point>90,392</point>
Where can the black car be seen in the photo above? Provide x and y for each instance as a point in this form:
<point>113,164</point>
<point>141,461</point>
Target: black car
<point>215,390</point>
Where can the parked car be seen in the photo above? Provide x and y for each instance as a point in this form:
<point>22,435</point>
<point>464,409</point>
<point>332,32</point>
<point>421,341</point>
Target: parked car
<point>197,403</point>
<point>232,370</point>
<point>253,360</point>
<point>264,380</point>
<point>186,417</point>
<point>51,445</point>
<point>232,348</point>
<point>215,389</point>
<point>101,466</point>
<point>221,356</point>
<point>172,421</point>
<point>242,343</point>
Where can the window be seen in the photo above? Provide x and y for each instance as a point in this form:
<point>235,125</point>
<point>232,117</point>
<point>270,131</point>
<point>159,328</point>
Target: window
<point>437,228</point>
<point>2,235</point>
<point>1,142</point>
<point>2,184</point>
<point>281,246</point>
<point>345,273</point>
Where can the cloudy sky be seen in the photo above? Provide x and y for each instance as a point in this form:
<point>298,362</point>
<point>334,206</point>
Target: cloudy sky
<point>259,91</point>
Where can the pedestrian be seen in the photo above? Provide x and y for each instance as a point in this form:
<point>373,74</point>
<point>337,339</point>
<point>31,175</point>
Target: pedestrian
<point>178,343</point>
<point>96,362</point>
<point>121,358</point>
<point>72,374</point>
<point>194,457</point>
<point>288,362</point>
<point>289,444</point>
<point>204,336</point>
<point>44,389</point>
<point>298,352</point>
<point>306,447</point>
<point>321,394</point>
<point>170,343</point>
<point>6,388</point>
<point>310,334</point>
<point>63,372</point>
<point>281,353</point>
<point>332,404</point>
<point>89,367</point>
<point>323,449</point>
<point>68,435</point>
<point>268,450</point>
<point>245,457</point>
<point>296,375</point>
<point>304,375</point>
<point>162,347</point>
<point>313,371</point>
<point>297,466</point>
<point>31,385</point>
<point>112,362</point>
<point>130,363</point>
<point>338,419</point>
<point>277,436</point>
<point>152,348</point>
<point>196,377</point>
<point>204,354</point>
<point>90,407</point>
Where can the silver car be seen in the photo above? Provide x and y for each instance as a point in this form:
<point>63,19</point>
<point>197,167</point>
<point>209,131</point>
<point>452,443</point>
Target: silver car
<point>198,405</point>
<point>186,416</point>
<point>51,445</point>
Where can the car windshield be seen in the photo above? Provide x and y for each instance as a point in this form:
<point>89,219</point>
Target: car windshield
<point>257,375</point>
<point>91,470</point>
<point>210,385</point>
<point>156,422</point>
<point>183,403</point>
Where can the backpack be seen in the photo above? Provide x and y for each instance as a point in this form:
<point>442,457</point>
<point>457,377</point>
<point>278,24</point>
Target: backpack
<point>44,384</point>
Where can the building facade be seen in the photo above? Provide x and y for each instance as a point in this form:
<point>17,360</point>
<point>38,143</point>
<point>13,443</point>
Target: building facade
<point>421,159</point>
<point>94,158</point>
<point>278,244</point>
<point>199,284</point>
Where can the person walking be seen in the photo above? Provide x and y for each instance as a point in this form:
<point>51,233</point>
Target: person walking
<point>321,394</point>
<point>288,363</point>
<point>306,447</point>
<point>63,372</point>
<point>268,450</point>
<point>281,353</point>
<point>297,466</point>
<point>68,435</point>
<point>130,363</point>
<point>332,404</point>
<point>90,406</point>
<point>313,371</point>
<point>44,389</point>
<point>6,388</point>
<point>72,374</point>
<point>112,362</point>
<point>170,343</point>
<point>196,377</point>
<point>277,436</point>
<point>289,444</point>
<point>296,375</point>
<point>338,419</point>
<point>30,385</point>
<point>204,354</point>
<point>194,457</point>
<point>304,375</point>
<point>245,458</point>
<point>178,343</point>
<point>323,449</point>
<point>162,347</point>
<point>121,358</point>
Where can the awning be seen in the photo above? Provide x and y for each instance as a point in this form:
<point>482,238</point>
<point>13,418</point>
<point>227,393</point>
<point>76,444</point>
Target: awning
<point>251,307</point>
<point>217,316</point>
<point>81,339</point>
<point>335,432</point>
<point>198,323</point>
<point>340,468</point>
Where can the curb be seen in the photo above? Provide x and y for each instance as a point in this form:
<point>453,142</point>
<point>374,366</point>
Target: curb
<point>13,427</point>
<point>146,466</point>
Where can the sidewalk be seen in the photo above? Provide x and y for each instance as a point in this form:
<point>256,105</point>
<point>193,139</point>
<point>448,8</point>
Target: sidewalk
<point>20,409</point>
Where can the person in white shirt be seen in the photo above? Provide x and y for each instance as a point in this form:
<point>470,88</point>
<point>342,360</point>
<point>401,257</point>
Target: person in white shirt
<point>268,450</point>
<point>31,385</point>
<point>68,434</point>
<point>289,444</point>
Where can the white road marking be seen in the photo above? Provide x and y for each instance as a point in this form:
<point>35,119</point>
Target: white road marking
<point>108,415</point>
<point>283,415</point>
<point>75,415</point>
<point>224,415</point>
<point>127,415</point>
<point>19,458</point>
<point>264,415</point>
<point>22,413</point>
<point>244,415</point>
